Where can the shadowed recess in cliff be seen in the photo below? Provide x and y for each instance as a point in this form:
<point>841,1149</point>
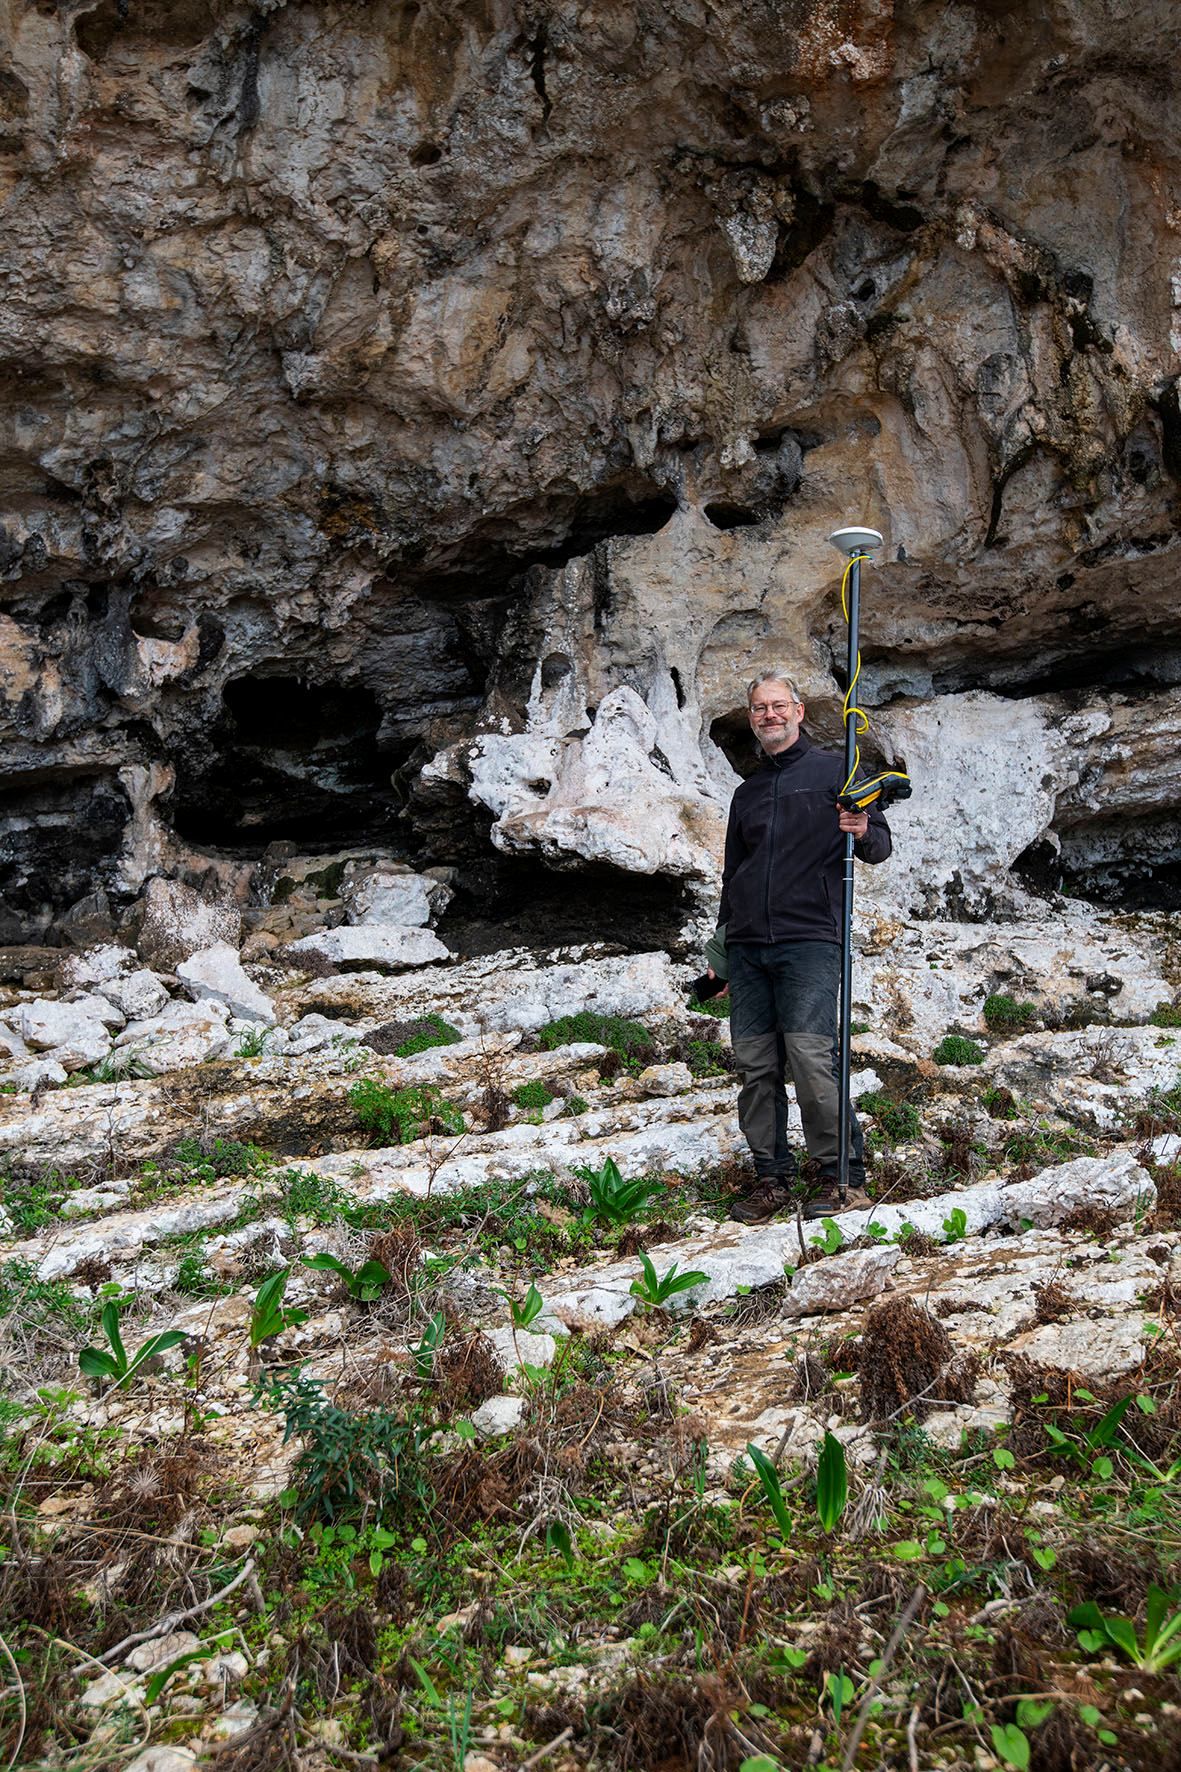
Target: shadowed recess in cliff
<point>287,758</point>
<point>518,901</point>
<point>1131,864</point>
<point>60,838</point>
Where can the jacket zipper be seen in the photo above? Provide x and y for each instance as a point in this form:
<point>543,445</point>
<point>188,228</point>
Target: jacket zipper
<point>771,850</point>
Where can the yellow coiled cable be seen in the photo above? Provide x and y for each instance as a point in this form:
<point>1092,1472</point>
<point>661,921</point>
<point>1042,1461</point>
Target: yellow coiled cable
<point>850,706</point>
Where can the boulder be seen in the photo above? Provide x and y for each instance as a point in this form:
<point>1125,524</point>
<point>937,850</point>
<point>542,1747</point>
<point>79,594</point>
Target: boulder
<point>36,1073</point>
<point>185,1034</point>
<point>138,995</point>
<point>1113,1183</point>
<point>374,944</point>
<point>216,973</point>
<point>96,966</point>
<point>177,922</point>
<point>394,895</point>
<point>73,1033</point>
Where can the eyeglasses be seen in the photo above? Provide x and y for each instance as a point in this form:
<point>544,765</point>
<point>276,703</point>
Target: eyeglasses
<point>773,707</point>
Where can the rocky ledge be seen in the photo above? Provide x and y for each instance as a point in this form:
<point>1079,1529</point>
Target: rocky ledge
<point>347,1312</point>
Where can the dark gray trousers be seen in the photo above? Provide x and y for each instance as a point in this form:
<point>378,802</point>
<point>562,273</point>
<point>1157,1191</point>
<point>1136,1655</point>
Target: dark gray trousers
<point>783,1020</point>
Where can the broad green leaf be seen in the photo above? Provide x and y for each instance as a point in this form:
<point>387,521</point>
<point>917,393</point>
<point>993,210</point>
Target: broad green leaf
<point>832,1482</point>
<point>1011,1744</point>
<point>557,1537</point>
<point>110,1323</point>
<point>772,1489</point>
<point>95,1363</point>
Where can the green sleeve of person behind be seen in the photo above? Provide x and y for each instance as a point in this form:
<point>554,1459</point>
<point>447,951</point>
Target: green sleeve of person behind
<point>715,952</point>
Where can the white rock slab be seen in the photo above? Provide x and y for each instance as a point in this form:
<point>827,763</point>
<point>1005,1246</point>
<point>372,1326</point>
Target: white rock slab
<point>97,966</point>
<point>124,1234</point>
<point>498,1415</point>
<point>383,897</point>
<point>216,973</point>
<point>161,1650</point>
<point>1114,1183</point>
<point>37,1073</point>
<point>138,995</point>
<point>185,1034</point>
<point>72,1032</point>
<point>380,944</point>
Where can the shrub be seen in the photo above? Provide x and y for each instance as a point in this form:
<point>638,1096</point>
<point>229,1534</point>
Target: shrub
<point>347,1460</point>
<point>1005,1015</point>
<point>397,1116</point>
<point>898,1120</point>
<point>629,1039</point>
<point>957,1049</point>
<point>403,1039</point>
<point>1166,1015</point>
<point>533,1096</point>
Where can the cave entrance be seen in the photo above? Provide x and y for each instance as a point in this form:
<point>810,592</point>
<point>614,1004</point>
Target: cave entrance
<point>287,760</point>
<point>1122,863</point>
<point>516,901</point>
<point>61,835</point>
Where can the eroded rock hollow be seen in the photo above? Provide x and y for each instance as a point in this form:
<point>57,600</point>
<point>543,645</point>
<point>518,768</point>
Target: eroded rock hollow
<point>420,418</point>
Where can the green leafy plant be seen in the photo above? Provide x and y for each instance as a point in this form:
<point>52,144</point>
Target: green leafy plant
<point>1011,1745</point>
<point>957,1049</point>
<point>523,1312</point>
<point>429,1030</point>
<point>1160,1648</point>
<point>629,1039</point>
<point>98,1363</point>
<point>398,1116</point>
<point>364,1283</point>
<point>839,1690</point>
<point>348,1458</point>
<point>832,1482</point>
<point>896,1120</point>
<point>533,1096</point>
<point>1166,1015</point>
<point>654,1292</point>
<point>253,1043</point>
<point>1005,1015</point>
<point>772,1488</point>
<point>955,1225</point>
<point>612,1199</point>
<point>1000,1103</point>
<point>269,1316</point>
<point>203,1652</point>
<point>432,1340</point>
<point>833,1237</point>
<point>575,1106</point>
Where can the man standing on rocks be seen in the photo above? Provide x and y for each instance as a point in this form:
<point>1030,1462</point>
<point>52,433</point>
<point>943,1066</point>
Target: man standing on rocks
<point>781,910</point>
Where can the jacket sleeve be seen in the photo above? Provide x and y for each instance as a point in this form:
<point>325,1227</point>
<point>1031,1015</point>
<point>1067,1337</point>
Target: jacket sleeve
<point>877,843</point>
<point>735,851</point>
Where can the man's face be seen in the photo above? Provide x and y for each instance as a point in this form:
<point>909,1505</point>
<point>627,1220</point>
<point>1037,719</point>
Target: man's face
<point>775,716</point>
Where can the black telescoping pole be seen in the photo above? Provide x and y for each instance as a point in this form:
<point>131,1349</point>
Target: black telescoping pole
<point>845,1129</point>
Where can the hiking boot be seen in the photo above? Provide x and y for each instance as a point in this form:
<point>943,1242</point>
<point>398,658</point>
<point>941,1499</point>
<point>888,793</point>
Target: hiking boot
<point>771,1194</point>
<point>826,1202</point>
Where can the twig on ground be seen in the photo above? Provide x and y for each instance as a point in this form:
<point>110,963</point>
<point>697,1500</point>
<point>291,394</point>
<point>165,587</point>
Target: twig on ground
<point>20,1695</point>
<point>542,1752</point>
<point>912,1745</point>
<point>871,1691</point>
<point>169,1622</point>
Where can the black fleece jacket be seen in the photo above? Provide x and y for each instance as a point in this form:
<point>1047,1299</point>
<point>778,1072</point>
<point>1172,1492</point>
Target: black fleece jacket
<point>785,849</point>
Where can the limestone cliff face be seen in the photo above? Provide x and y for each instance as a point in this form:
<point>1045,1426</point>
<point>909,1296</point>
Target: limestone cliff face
<point>436,409</point>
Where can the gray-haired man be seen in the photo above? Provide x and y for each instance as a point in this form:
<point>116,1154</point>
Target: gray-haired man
<point>781,904</point>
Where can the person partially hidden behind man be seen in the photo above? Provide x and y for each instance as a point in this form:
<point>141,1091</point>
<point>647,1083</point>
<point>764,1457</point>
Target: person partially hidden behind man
<point>781,911</point>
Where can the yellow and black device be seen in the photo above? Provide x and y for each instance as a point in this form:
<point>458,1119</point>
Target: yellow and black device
<point>878,790</point>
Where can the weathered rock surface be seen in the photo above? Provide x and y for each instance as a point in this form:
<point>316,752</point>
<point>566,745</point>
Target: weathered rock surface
<point>178,923</point>
<point>639,311</point>
<point>375,944</point>
<point>216,974</point>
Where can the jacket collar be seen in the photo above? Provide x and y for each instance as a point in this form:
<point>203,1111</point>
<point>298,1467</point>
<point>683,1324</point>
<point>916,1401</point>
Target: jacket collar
<point>793,753</point>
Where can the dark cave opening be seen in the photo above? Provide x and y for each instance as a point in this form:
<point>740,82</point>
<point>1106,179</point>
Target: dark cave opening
<point>724,515</point>
<point>1127,864</point>
<point>61,834</point>
<point>517,901</point>
<point>287,759</point>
